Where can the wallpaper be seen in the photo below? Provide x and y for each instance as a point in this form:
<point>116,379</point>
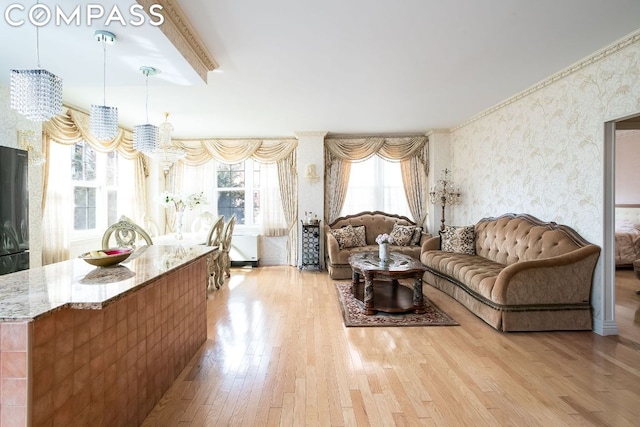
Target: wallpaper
<point>542,151</point>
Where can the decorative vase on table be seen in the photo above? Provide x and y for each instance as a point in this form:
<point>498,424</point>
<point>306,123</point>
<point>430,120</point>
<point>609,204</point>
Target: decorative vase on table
<point>179,214</point>
<point>383,252</point>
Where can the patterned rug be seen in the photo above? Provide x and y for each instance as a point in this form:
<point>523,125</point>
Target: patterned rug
<point>353,313</point>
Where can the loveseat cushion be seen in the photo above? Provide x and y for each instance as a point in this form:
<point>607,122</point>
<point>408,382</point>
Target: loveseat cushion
<point>477,273</point>
<point>402,234</point>
<point>360,236</point>
<point>345,236</point>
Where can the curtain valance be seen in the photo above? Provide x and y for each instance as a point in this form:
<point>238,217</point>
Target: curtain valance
<point>72,126</point>
<point>200,151</point>
<point>389,148</point>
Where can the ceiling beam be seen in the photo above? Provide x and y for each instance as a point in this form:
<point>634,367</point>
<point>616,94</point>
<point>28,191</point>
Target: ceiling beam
<point>183,36</point>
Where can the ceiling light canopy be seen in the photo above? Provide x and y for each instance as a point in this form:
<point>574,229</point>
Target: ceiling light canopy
<point>103,120</point>
<point>146,136</point>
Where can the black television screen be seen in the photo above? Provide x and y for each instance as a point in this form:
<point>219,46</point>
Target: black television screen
<point>14,201</point>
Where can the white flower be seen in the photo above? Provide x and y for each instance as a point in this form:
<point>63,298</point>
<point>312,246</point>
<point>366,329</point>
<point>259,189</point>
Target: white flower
<point>384,238</point>
<point>182,201</point>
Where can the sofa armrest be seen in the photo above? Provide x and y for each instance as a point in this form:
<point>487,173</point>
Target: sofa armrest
<point>430,244</point>
<point>332,246</point>
<point>564,279</point>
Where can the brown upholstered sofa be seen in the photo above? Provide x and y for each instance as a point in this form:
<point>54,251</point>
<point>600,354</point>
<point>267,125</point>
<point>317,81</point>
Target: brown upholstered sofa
<point>375,223</point>
<point>526,275</point>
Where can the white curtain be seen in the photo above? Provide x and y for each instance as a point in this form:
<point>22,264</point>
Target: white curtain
<point>273,220</point>
<point>57,221</point>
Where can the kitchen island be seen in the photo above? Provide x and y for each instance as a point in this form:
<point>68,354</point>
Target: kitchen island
<point>85,345</point>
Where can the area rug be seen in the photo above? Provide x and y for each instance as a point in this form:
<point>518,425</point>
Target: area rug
<point>353,313</point>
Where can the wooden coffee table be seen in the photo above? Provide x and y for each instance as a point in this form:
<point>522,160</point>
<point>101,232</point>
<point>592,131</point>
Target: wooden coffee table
<point>381,290</point>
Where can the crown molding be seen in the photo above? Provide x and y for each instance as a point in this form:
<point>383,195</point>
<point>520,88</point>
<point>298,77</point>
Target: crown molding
<point>182,35</point>
<point>613,48</point>
<point>437,131</point>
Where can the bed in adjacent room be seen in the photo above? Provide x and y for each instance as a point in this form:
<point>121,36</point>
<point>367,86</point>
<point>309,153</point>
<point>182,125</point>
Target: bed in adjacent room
<point>627,233</point>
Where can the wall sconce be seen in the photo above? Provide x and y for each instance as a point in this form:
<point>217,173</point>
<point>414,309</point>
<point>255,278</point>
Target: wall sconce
<point>311,174</point>
<point>26,139</point>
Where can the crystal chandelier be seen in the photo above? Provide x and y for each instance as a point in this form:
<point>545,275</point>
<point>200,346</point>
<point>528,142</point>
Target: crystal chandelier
<point>146,136</point>
<point>103,121</point>
<point>26,138</point>
<point>167,154</point>
<point>444,193</point>
<point>36,93</point>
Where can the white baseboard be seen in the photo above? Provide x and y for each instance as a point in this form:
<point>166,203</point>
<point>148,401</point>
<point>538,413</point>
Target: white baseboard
<point>604,328</point>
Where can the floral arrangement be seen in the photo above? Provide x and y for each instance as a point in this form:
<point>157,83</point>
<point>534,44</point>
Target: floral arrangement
<point>182,201</point>
<point>384,238</point>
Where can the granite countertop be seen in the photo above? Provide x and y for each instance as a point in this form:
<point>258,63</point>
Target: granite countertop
<point>29,294</point>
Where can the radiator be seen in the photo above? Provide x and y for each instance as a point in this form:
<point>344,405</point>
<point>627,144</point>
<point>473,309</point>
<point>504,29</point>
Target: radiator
<point>244,249</point>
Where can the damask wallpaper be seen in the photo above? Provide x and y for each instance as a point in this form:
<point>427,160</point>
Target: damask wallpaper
<point>541,152</point>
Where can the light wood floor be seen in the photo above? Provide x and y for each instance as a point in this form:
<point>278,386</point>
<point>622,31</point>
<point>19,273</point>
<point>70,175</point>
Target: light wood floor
<point>278,354</point>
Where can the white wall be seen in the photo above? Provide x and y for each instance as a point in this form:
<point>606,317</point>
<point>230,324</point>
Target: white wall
<point>628,167</point>
<point>541,152</point>
<point>10,123</point>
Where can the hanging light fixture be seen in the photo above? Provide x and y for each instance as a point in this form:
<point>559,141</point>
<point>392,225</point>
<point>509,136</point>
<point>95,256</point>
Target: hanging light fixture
<point>167,154</point>
<point>145,137</point>
<point>104,120</point>
<point>36,93</point>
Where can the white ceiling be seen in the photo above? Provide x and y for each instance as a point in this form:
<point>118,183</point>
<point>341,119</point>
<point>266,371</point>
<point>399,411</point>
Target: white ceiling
<point>343,66</point>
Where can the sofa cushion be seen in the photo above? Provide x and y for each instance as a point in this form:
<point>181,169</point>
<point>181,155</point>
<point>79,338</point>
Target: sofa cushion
<point>477,273</point>
<point>458,240</point>
<point>417,234</point>
<point>345,236</point>
<point>402,234</point>
<point>360,236</point>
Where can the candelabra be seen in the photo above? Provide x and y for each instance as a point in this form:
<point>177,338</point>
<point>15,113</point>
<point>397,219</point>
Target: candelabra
<point>444,193</point>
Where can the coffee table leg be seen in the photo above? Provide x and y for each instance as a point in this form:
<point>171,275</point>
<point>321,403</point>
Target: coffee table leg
<point>368,295</point>
<point>355,279</point>
<point>418,299</point>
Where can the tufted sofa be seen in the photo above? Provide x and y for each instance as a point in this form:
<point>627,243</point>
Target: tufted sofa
<point>526,275</point>
<point>375,223</point>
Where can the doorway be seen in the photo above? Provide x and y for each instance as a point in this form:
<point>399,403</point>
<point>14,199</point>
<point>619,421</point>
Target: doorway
<point>624,225</point>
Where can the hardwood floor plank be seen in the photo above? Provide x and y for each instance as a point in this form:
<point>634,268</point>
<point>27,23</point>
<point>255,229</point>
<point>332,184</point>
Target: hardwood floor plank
<point>278,354</point>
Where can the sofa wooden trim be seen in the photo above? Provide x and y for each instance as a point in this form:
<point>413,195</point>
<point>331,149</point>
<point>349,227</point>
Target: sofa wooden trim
<point>517,301</point>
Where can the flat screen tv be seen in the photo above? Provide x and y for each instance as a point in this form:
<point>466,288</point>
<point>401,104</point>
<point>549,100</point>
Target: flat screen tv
<point>14,210</point>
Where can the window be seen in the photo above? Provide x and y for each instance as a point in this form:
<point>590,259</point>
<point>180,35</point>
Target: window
<point>94,178</point>
<point>238,191</point>
<point>375,184</point>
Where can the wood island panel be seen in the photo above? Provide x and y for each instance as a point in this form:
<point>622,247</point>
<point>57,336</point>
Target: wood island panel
<point>108,363</point>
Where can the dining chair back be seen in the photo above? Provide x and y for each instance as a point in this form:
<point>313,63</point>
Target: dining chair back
<point>214,267</point>
<point>126,233</point>
<point>227,235</point>
<point>203,222</point>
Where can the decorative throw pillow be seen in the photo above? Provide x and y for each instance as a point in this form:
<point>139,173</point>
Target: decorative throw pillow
<point>458,239</point>
<point>360,236</point>
<point>345,236</point>
<point>402,234</point>
<point>417,234</point>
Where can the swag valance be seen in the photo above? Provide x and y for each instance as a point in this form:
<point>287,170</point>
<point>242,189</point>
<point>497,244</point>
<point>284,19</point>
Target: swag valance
<point>411,152</point>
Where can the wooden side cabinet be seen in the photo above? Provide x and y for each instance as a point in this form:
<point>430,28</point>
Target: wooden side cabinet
<point>310,246</point>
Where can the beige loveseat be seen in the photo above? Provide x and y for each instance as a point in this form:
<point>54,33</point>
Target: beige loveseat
<point>374,223</point>
<point>526,275</point>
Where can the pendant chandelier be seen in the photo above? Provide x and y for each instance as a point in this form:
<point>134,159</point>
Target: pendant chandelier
<point>36,93</point>
<point>146,136</point>
<point>167,154</point>
<point>103,120</point>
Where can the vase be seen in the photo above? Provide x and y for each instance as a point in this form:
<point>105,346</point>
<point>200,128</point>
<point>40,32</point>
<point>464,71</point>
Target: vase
<point>179,214</point>
<point>383,252</point>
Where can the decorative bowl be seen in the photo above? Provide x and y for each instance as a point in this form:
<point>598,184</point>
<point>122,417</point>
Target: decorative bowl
<point>106,257</point>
